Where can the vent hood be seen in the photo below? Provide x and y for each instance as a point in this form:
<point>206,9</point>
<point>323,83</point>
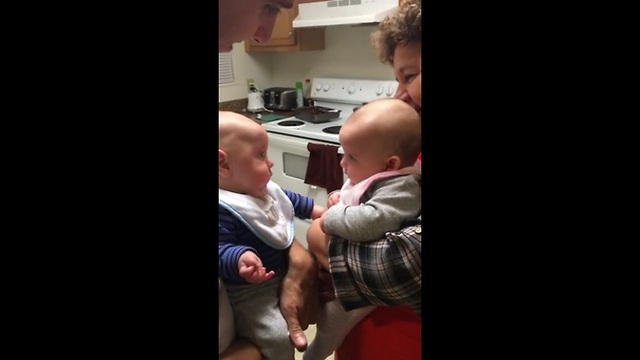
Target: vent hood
<point>343,12</point>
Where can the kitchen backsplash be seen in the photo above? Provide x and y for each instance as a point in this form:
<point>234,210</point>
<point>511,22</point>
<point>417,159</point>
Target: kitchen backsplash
<point>348,54</point>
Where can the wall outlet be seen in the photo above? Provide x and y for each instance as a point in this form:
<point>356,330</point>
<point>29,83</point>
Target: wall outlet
<point>249,82</point>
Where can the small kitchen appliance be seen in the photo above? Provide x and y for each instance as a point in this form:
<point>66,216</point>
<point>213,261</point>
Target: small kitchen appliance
<point>280,98</point>
<point>255,102</point>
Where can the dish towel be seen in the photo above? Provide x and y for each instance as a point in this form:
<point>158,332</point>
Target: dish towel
<point>324,168</point>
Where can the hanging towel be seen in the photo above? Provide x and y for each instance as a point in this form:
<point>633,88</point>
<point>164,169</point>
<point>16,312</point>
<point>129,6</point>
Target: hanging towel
<point>324,168</point>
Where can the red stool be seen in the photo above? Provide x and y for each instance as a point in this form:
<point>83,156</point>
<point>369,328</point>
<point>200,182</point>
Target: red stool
<point>387,333</point>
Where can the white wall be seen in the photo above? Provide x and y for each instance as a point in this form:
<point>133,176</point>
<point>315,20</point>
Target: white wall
<point>256,66</point>
<point>348,54</point>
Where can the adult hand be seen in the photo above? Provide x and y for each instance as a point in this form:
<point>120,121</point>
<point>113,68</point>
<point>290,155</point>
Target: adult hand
<point>325,285</point>
<point>318,242</point>
<point>299,294</point>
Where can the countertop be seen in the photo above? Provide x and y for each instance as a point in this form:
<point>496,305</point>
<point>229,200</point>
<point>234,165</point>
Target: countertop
<point>240,106</point>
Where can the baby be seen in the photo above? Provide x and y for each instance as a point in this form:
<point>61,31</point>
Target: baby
<point>255,229</point>
<point>381,142</point>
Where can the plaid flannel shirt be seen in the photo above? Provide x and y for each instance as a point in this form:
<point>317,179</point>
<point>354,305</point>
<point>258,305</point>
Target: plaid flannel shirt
<point>383,272</point>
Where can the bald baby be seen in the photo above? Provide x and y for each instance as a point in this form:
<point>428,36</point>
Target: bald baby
<point>389,127</point>
<point>234,130</point>
<point>243,164</point>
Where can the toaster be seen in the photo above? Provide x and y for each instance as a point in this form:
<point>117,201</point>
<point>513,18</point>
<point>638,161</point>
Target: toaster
<point>280,98</point>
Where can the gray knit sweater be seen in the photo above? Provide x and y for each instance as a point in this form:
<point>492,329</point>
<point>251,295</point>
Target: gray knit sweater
<point>385,206</point>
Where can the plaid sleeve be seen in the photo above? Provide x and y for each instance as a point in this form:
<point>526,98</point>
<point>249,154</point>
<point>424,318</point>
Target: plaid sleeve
<point>383,272</point>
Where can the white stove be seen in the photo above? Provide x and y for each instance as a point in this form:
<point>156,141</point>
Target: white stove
<point>339,94</point>
<point>288,144</point>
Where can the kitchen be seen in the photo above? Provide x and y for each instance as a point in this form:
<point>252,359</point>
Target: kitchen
<point>341,64</point>
<point>345,54</point>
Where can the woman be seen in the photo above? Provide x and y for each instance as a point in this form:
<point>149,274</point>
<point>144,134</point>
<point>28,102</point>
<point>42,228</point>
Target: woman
<point>393,332</point>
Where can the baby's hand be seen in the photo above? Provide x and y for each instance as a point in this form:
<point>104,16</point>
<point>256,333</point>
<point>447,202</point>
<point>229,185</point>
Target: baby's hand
<point>317,211</point>
<point>333,198</point>
<point>251,269</point>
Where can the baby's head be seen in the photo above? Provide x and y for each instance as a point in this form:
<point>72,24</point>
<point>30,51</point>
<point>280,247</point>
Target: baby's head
<point>382,135</point>
<point>243,165</point>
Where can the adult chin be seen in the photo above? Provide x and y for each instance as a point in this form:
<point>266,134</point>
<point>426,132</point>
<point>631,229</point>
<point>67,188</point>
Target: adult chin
<point>225,48</point>
<point>417,107</point>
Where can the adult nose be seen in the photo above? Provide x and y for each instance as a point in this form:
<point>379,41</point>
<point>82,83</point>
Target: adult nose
<point>401,93</point>
<point>263,33</point>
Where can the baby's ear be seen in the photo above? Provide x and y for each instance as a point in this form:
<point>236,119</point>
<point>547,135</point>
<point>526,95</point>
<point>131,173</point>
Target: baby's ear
<point>393,163</point>
<point>224,169</point>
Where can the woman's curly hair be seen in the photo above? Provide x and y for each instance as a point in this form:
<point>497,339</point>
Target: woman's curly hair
<point>400,28</point>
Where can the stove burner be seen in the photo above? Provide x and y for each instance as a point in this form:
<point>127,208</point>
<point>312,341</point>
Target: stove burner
<point>332,129</point>
<point>290,123</point>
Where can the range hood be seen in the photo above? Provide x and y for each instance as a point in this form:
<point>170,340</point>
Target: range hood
<point>343,12</point>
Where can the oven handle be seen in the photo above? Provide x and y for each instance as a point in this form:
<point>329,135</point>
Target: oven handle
<point>283,140</point>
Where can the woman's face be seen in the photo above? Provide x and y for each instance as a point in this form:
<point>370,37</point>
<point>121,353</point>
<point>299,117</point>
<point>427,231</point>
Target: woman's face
<point>407,68</point>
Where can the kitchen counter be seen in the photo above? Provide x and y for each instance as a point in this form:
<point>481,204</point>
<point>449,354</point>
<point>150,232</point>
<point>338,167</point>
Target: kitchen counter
<point>240,106</point>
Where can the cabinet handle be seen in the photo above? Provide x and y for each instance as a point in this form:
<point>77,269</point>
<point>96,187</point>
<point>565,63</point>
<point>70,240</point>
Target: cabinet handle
<point>313,187</point>
<point>290,33</point>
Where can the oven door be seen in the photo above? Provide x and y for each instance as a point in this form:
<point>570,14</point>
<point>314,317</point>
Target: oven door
<point>290,158</point>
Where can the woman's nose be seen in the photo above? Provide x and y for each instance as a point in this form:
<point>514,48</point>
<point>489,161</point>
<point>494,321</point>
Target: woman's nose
<point>401,93</point>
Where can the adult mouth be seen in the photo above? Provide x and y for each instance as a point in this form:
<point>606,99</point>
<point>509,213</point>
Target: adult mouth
<point>417,107</point>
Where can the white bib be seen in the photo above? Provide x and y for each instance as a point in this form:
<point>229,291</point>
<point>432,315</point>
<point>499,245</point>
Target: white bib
<point>269,217</point>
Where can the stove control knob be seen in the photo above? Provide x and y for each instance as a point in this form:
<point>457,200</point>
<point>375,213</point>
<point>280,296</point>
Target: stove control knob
<point>379,90</point>
<point>390,91</point>
<point>318,86</point>
<point>351,89</point>
<point>326,87</point>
